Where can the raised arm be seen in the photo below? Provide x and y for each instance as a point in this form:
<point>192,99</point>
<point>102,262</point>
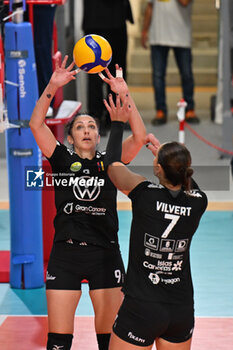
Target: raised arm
<point>43,135</point>
<point>133,143</point>
<point>124,179</point>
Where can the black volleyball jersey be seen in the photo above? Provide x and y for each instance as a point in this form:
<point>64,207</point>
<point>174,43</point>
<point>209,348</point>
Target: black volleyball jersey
<point>161,233</point>
<point>85,199</point>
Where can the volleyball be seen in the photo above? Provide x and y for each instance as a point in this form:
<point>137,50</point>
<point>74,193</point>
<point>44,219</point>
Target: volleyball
<point>92,53</point>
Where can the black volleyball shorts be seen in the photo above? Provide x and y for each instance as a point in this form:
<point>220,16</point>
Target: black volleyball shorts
<point>70,264</point>
<point>140,323</point>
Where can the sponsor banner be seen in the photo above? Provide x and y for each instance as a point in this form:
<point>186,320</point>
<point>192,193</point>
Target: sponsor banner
<point>21,152</point>
<point>16,54</point>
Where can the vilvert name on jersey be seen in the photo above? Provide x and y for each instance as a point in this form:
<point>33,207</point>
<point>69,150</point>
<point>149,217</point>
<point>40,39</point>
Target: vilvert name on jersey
<point>173,209</point>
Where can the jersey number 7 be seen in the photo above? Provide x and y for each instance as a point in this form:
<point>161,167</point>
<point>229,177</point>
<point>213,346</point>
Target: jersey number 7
<point>174,219</point>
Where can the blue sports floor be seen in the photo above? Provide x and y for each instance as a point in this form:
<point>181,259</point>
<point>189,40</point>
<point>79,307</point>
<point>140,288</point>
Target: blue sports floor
<point>212,270</point>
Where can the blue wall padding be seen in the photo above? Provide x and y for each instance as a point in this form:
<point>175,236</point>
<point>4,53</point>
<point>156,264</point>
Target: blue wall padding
<point>26,268</point>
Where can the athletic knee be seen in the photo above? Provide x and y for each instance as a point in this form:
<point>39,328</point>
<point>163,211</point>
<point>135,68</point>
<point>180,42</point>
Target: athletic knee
<point>59,341</point>
<point>103,341</point>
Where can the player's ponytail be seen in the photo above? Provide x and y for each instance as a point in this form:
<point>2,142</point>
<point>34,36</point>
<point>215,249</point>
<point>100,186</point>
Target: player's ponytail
<point>175,160</point>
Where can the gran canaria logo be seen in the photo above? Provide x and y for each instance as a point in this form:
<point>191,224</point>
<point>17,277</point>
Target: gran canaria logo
<point>76,166</point>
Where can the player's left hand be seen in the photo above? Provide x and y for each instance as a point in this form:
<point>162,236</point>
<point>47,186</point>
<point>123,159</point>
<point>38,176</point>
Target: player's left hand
<point>117,84</point>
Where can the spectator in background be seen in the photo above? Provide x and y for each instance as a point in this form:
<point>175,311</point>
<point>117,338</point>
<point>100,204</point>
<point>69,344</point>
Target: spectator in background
<point>3,11</point>
<point>108,19</point>
<point>169,25</point>
<point>43,16</point>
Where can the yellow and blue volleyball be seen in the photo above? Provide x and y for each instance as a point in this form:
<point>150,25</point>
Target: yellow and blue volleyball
<point>92,53</point>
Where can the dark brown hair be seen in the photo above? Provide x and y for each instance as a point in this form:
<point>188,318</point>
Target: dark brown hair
<point>175,160</point>
<point>69,125</point>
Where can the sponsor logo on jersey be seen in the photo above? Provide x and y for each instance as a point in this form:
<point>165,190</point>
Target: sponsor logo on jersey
<point>154,186</point>
<point>177,266</point>
<point>167,245</point>
<point>71,151</point>
<point>76,166</point>
<point>49,277</point>
<point>135,338</point>
<point>164,245</point>
<point>194,193</point>
<point>90,210</point>
<point>181,245</point>
<point>154,278</point>
<point>164,266</point>
<point>191,332</point>
<point>161,266</point>
<point>69,209</point>
<point>173,256</point>
<point>150,253</point>
<point>170,280</point>
<point>87,188</point>
<point>151,242</point>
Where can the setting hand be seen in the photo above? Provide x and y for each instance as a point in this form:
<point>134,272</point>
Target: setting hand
<point>119,111</point>
<point>117,84</point>
<point>61,76</point>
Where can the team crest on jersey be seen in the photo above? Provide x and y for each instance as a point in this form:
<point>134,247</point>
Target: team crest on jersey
<point>76,166</point>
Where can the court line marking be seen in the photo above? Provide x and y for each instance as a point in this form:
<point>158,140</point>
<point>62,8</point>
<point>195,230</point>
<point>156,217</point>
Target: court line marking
<point>44,315</point>
<point>224,206</point>
<point>4,205</point>
<point>134,88</point>
<point>2,318</point>
<point>219,206</point>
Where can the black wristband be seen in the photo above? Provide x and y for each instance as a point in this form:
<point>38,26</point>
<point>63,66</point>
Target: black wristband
<point>114,146</point>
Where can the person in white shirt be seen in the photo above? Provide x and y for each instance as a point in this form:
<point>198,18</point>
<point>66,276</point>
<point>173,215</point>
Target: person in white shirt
<point>167,24</point>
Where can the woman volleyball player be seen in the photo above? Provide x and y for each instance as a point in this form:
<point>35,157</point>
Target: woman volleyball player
<point>158,303</point>
<point>86,243</point>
